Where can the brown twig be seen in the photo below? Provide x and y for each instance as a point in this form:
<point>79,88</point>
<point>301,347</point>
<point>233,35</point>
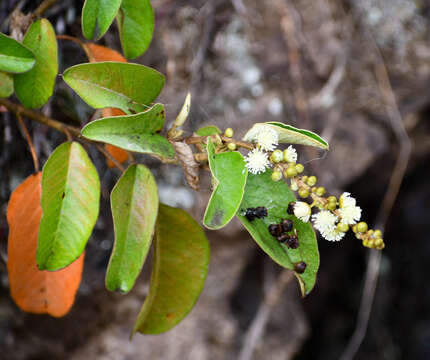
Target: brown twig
<point>68,130</point>
<point>271,299</point>
<point>374,260</point>
<point>45,5</point>
<point>33,115</point>
<point>29,142</point>
<point>202,139</point>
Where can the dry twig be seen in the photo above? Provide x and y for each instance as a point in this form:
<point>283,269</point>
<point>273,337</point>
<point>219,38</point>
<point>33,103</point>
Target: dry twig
<point>271,299</point>
<point>374,260</point>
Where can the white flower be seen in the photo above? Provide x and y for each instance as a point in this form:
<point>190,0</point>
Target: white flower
<point>302,211</point>
<point>324,221</point>
<point>350,214</point>
<point>257,161</point>
<point>333,234</point>
<point>345,200</point>
<point>266,138</point>
<point>290,154</point>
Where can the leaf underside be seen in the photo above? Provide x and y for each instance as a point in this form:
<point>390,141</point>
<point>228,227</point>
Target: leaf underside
<point>15,58</point>
<point>134,203</point>
<point>229,172</point>
<point>129,87</point>
<point>70,205</point>
<point>181,258</point>
<point>138,133</point>
<point>290,135</point>
<point>33,88</point>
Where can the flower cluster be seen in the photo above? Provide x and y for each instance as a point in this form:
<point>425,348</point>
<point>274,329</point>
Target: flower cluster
<point>334,216</point>
<point>257,160</point>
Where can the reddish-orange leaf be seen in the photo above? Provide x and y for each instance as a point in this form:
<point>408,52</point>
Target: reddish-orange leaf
<point>35,291</point>
<point>97,53</point>
<point>120,155</point>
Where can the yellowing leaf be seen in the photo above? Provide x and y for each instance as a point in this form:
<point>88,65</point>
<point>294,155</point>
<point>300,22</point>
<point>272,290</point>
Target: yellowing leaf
<point>35,291</point>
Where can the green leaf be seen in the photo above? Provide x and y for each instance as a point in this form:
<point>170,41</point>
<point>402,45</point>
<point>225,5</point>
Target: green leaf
<point>6,85</point>
<point>261,190</point>
<point>181,258</point>
<point>97,16</point>
<point>136,25</point>
<point>70,206</point>
<point>208,131</point>
<point>14,57</point>
<point>290,135</point>
<point>229,172</point>
<point>36,86</point>
<point>134,202</point>
<point>129,87</point>
<point>133,132</point>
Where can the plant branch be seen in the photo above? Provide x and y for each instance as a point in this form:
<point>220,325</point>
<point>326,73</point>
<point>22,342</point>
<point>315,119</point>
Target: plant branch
<point>45,5</point>
<point>258,325</point>
<point>374,260</point>
<point>33,115</point>
<point>29,141</point>
<point>68,130</point>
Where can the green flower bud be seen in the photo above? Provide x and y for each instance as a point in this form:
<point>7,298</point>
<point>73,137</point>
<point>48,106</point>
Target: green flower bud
<point>331,206</point>
<point>377,233</point>
<point>276,156</point>
<point>276,175</point>
<point>299,168</point>
<point>229,132</point>
<point>332,199</point>
<point>362,227</point>
<point>312,180</point>
<point>378,242</point>
<point>304,178</point>
<point>303,193</point>
<point>231,146</point>
<point>320,191</point>
<point>354,228</point>
<point>290,172</point>
<point>342,227</point>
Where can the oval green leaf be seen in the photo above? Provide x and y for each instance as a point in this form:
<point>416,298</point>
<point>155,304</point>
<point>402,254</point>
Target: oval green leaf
<point>134,203</point>
<point>36,86</point>
<point>97,16</point>
<point>136,25</point>
<point>181,259</point>
<point>129,87</point>
<point>6,85</point>
<point>229,173</point>
<point>261,190</point>
<point>14,57</point>
<point>136,133</point>
<point>290,135</point>
<point>208,131</point>
<point>70,206</point>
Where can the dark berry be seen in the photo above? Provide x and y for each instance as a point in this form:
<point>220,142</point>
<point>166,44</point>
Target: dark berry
<point>282,238</point>
<point>300,267</point>
<point>292,242</point>
<point>275,230</point>
<point>287,225</point>
<point>290,208</point>
<point>253,213</point>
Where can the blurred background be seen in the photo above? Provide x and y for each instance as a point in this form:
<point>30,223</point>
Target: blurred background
<point>355,71</point>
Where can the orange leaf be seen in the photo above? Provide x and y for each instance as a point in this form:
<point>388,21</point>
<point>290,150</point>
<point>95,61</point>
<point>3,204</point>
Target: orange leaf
<point>119,154</point>
<point>35,291</point>
<point>97,53</point>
